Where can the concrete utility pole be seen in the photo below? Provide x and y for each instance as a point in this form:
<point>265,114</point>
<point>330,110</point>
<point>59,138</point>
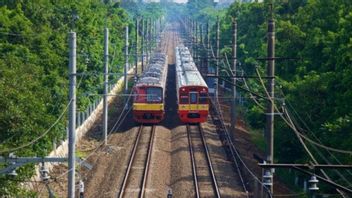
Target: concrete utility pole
<point>196,44</point>
<point>142,43</point>
<point>150,42</point>
<point>201,60</point>
<point>126,63</point>
<point>147,40</point>
<point>106,79</point>
<point>269,133</point>
<point>191,34</point>
<point>234,63</point>
<point>154,31</point>
<point>72,117</point>
<point>217,56</point>
<point>136,57</point>
<point>208,46</point>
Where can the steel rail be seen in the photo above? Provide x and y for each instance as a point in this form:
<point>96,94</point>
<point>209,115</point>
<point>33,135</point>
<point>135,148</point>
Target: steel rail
<point>128,170</point>
<point>231,146</point>
<point>147,163</point>
<point>210,165</point>
<point>194,171</point>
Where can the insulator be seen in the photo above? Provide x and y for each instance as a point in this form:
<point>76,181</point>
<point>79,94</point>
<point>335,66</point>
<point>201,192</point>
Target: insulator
<point>169,193</point>
<point>44,173</point>
<point>267,178</point>
<point>313,183</point>
<point>13,173</point>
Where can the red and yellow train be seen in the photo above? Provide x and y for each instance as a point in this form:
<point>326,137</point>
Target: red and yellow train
<point>192,90</point>
<point>149,91</point>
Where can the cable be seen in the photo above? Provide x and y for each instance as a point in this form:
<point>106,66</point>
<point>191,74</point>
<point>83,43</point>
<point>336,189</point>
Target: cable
<point>46,131</point>
<point>41,136</point>
<point>293,127</point>
<point>236,151</point>
<point>118,122</point>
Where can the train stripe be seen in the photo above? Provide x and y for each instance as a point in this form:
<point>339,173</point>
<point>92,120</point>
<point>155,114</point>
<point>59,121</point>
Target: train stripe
<point>147,106</point>
<point>193,107</point>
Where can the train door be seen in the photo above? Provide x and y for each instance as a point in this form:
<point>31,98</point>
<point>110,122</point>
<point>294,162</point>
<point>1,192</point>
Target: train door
<point>193,100</point>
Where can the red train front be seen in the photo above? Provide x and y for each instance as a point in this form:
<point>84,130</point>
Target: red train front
<point>193,104</point>
<point>148,105</point>
<point>149,92</point>
<point>192,91</point>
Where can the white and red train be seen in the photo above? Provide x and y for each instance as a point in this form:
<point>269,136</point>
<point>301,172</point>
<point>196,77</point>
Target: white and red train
<point>192,90</point>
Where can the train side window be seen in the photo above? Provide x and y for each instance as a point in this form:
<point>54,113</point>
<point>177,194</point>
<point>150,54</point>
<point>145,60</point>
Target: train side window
<point>203,98</point>
<point>193,98</point>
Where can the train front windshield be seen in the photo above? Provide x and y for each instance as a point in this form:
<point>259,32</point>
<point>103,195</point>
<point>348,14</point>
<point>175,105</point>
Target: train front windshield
<point>154,95</point>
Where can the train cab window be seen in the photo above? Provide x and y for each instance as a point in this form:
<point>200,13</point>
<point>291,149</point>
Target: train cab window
<point>203,98</point>
<point>139,96</point>
<point>184,99</point>
<point>154,94</point>
<point>193,98</point>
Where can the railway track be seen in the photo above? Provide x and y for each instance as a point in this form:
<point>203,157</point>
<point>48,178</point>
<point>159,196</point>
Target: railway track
<point>136,176</point>
<point>202,168</point>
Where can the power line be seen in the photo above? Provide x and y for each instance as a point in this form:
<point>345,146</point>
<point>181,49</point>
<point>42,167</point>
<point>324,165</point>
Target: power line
<point>43,134</point>
<point>297,133</point>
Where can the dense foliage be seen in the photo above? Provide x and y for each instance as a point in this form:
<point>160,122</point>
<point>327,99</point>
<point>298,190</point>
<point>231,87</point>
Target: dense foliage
<point>34,69</point>
<point>315,84</point>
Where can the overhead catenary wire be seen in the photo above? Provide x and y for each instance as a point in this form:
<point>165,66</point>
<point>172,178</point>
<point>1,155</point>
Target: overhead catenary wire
<point>236,151</point>
<point>300,134</point>
<point>290,123</point>
<point>117,125</point>
<point>10,150</point>
<point>309,130</point>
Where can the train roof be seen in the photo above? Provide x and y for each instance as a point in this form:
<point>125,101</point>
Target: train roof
<point>156,72</point>
<point>187,73</point>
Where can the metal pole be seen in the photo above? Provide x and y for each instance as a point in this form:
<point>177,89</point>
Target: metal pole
<point>201,60</point>
<point>147,40</point>
<point>191,34</point>
<point>196,45</point>
<point>106,79</point>
<point>208,46</point>
<point>154,32</point>
<point>150,38</point>
<point>270,88</point>
<point>217,55</point>
<point>126,63</point>
<point>72,117</point>
<point>136,66</point>
<point>142,43</point>
<point>234,63</point>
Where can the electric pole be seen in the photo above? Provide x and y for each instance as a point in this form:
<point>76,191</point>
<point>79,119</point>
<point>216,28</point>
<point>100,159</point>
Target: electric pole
<point>217,57</point>
<point>147,40</point>
<point>142,43</point>
<point>208,46</point>
<point>136,57</point>
<point>234,63</point>
<point>106,79</point>
<point>72,117</point>
<point>196,44</point>
<point>126,63</point>
<point>270,105</point>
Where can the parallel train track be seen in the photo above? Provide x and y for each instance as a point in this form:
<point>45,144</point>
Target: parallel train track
<point>202,168</point>
<point>136,176</point>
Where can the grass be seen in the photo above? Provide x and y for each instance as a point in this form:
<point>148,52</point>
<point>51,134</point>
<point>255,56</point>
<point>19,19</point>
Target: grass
<point>257,138</point>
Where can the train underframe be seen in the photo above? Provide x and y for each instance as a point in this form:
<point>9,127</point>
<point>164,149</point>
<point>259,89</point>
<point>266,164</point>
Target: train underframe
<point>196,116</point>
<point>149,117</point>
